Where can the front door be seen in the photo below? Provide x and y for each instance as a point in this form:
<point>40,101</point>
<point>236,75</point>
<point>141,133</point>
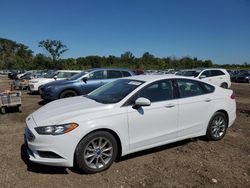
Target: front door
<point>155,124</point>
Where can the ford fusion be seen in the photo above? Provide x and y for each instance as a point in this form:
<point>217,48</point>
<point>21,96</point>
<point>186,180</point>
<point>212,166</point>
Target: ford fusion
<point>125,116</point>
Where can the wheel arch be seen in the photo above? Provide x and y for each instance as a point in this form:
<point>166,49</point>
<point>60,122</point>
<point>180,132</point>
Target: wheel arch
<point>225,113</point>
<point>113,133</point>
<point>68,89</point>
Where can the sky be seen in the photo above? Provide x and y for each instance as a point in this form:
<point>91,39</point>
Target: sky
<point>218,30</point>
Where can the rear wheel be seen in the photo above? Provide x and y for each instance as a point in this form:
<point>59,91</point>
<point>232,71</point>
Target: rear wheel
<point>217,126</point>
<point>224,85</point>
<point>96,152</point>
<point>68,93</point>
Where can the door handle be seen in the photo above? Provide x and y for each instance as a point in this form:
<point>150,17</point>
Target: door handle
<point>169,106</point>
<point>208,100</point>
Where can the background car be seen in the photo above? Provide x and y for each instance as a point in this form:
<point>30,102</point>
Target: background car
<point>243,77</point>
<point>218,77</point>
<point>34,84</point>
<point>81,84</point>
<point>126,116</point>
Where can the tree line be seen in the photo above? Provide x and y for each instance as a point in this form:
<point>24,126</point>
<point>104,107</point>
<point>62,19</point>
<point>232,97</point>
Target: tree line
<point>15,55</point>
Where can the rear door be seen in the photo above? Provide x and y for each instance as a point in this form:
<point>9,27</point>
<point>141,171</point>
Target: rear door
<point>195,105</point>
<point>218,77</point>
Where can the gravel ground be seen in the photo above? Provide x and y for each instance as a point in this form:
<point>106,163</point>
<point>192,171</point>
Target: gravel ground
<point>189,163</point>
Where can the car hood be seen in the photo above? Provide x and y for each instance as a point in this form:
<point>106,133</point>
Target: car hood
<point>60,82</point>
<point>41,80</point>
<point>59,111</point>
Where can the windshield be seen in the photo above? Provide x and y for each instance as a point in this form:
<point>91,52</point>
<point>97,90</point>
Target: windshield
<point>50,74</point>
<point>114,92</point>
<point>187,73</point>
<point>77,76</point>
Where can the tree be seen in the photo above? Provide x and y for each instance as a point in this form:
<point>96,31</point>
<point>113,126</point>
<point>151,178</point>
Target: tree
<point>14,55</point>
<point>127,57</point>
<point>54,47</point>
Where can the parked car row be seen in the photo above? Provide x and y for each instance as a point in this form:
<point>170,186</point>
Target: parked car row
<point>242,76</point>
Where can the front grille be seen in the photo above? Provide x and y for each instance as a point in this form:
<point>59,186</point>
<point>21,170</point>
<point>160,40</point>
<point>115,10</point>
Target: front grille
<point>29,135</point>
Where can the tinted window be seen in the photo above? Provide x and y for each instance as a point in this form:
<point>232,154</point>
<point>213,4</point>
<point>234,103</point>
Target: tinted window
<point>126,73</point>
<point>96,75</point>
<point>208,88</point>
<point>114,74</point>
<point>216,72</point>
<point>65,74</point>
<point>189,88</point>
<point>158,91</point>
<point>206,73</point>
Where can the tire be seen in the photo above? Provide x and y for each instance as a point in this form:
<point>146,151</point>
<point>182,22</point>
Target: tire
<point>68,93</point>
<point>90,160</point>
<point>217,127</point>
<point>2,110</point>
<point>224,85</point>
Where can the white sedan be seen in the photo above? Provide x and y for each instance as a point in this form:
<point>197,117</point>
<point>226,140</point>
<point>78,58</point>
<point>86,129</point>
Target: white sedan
<point>126,116</point>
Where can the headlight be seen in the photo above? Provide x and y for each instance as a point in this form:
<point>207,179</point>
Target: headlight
<point>33,81</point>
<point>56,129</point>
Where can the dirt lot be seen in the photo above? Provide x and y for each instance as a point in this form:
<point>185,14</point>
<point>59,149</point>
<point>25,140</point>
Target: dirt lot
<point>189,163</point>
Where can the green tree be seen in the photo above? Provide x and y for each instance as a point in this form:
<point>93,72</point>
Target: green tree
<point>127,57</point>
<point>54,47</point>
<point>14,55</point>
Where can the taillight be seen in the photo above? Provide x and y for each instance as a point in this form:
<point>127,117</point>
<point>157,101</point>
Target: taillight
<point>232,96</point>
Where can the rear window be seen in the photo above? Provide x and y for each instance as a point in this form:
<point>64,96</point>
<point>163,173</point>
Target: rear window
<point>126,73</point>
<point>217,73</point>
<point>208,88</point>
<point>114,74</point>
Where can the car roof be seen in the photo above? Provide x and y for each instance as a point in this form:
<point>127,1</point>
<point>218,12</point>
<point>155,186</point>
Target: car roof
<point>151,78</point>
<point>120,69</point>
<point>68,71</point>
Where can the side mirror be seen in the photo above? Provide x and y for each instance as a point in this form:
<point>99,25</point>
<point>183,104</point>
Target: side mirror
<point>85,79</point>
<point>55,77</point>
<point>202,76</point>
<point>141,102</point>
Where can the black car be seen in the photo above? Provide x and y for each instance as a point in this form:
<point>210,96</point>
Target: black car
<point>244,77</point>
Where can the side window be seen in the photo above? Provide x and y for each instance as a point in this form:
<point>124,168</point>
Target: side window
<point>73,73</point>
<point>206,73</point>
<point>158,91</point>
<point>208,88</point>
<point>114,74</point>
<point>189,88</point>
<point>126,73</point>
<point>217,73</point>
<point>96,75</point>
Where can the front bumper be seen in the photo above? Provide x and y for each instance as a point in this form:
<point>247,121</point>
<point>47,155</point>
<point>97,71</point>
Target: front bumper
<point>47,95</point>
<point>49,150</point>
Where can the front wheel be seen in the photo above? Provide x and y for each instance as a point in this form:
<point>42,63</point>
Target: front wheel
<point>96,152</point>
<point>217,127</point>
<point>67,93</point>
